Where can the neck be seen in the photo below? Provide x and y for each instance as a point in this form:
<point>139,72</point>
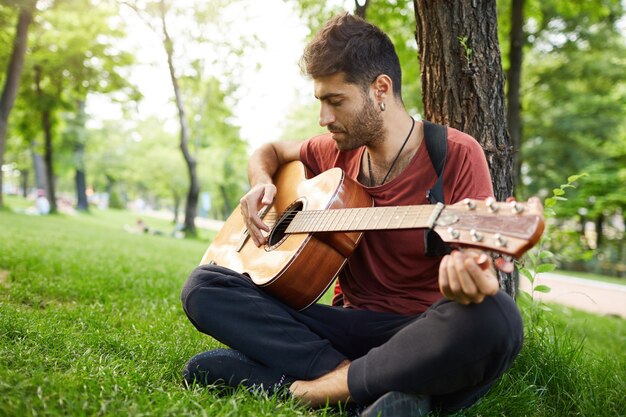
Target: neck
<point>397,126</point>
<point>396,153</point>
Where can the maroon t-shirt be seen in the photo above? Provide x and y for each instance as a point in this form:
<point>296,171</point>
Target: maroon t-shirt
<point>389,271</point>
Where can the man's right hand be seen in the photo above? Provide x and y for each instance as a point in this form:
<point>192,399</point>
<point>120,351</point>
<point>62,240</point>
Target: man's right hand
<point>259,196</point>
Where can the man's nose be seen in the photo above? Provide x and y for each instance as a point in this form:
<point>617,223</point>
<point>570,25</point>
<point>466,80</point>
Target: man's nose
<point>327,117</point>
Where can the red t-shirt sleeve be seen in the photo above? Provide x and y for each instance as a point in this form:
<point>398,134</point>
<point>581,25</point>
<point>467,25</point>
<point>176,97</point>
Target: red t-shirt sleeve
<point>466,174</point>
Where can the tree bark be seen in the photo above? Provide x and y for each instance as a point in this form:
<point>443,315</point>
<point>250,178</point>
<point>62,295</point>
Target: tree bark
<point>11,84</point>
<point>38,168</point>
<point>25,182</point>
<point>463,82</point>
<point>514,83</point>
<point>194,185</point>
<point>79,158</point>
<point>360,8</point>
<point>46,125</point>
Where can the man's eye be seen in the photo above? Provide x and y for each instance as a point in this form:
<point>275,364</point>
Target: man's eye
<point>335,103</point>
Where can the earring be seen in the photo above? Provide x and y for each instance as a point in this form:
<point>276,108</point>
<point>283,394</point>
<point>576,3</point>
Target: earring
<point>382,106</point>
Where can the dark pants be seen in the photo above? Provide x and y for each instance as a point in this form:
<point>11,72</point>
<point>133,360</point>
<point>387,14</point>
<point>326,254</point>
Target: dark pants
<point>451,352</point>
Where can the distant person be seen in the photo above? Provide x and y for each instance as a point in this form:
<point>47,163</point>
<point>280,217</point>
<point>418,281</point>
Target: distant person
<point>141,227</point>
<point>42,205</point>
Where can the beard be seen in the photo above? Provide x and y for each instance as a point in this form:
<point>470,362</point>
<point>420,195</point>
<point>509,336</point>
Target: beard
<point>365,128</point>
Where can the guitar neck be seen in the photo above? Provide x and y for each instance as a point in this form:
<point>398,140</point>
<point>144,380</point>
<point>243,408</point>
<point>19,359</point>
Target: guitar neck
<point>362,219</point>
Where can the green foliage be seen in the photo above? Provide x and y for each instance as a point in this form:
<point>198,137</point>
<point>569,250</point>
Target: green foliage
<point>541,258</point>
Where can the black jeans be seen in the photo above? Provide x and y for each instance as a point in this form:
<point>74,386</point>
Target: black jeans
<point>451,352</point>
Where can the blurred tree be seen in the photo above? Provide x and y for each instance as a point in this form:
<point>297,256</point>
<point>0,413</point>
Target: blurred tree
<point>215,140</point>
<point>57,83</point>
<point>531,25</point>
<point>206,29</point>
<point>13,73</point>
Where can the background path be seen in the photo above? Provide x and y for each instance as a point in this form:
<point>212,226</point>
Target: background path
<point>593,296</point>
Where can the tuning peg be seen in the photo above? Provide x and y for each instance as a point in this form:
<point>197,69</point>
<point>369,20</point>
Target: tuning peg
<point>453,232</point>
<point>476,237</point>
<point>470,204</point>
<point>500,241</point>
<point>491,203</point>
<point>516,207</point>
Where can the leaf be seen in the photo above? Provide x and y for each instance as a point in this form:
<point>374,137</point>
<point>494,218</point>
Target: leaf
<point>543,288</point>
<point>545,307</point>
<point>527,274</point>
<point>558,191</point>
<point>550,202</point>
<point>545,268</point>
<point>560,198</point>
<point>524,297</point>
<point>573,178</point>
<point>545,254</point>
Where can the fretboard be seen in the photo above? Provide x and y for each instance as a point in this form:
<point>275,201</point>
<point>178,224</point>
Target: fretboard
<point>360,219</point>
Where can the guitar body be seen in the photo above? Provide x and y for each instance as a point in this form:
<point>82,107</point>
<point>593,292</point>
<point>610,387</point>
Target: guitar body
<point>295,268</point>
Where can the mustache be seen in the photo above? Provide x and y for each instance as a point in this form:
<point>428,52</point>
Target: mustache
<point>336,129</point>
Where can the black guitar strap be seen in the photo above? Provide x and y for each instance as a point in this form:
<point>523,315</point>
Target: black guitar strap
<point>436,137</point>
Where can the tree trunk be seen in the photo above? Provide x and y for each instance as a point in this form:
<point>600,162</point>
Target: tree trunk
<point>514,77</point>
<point>463,82</point>
<point>194,185</point>
<point>38,168</point>
<point>599,231</point>
<point>46,125</point>
<point>79,157</point>
<point>12,81</point>
<point>176,197</point>
<point>360,8</point>
<point>25,180</point>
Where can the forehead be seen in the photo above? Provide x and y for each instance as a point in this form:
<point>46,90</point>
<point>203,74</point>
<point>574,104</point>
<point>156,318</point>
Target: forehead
<point>334,85</point>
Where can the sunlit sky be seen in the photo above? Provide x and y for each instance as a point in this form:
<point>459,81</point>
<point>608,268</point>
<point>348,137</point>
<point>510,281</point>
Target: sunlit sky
<point>267,93</point>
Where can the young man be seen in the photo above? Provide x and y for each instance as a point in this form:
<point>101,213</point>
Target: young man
<point>395,344</point>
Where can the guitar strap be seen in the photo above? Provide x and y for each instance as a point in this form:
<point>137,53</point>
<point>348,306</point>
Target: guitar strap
<point>436,137</point>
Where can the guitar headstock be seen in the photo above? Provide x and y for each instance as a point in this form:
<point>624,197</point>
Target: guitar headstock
<point>510,228</point>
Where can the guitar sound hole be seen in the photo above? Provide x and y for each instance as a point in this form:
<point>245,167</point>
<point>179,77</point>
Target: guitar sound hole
<point>278,231</point>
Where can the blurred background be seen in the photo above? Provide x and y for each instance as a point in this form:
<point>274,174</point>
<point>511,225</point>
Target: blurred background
<point>154,106</point>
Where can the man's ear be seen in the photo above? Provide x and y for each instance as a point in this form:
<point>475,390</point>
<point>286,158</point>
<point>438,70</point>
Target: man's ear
<point>382,87</point>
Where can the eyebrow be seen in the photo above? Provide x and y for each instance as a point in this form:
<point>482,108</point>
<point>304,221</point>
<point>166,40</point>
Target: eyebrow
<point>329,95</point>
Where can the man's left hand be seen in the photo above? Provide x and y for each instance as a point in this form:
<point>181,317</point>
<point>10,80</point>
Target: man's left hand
<point>467,277</point>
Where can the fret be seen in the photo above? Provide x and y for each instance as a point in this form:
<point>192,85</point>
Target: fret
<point>336,217</point>
<point>392,217</point>
<point>353,217</point>
<point>310,219</point>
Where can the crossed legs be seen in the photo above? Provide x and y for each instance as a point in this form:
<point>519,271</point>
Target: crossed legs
<point>452,352</point>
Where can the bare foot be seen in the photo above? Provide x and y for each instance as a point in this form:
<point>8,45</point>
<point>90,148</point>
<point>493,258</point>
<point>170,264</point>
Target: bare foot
<point>331,388</point>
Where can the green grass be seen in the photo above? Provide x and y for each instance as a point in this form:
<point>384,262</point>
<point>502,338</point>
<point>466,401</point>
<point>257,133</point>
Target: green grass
<point>592,276</point>
<point>91,324</point>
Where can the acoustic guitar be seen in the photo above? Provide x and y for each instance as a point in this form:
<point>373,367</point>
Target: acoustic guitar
<point>317,223</point>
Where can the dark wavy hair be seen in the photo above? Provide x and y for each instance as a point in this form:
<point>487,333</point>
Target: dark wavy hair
<point>351,45</point>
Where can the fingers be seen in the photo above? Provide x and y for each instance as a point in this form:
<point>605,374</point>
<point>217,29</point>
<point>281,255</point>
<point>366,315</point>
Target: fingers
<point>467,277</point>
<point>250,204</point>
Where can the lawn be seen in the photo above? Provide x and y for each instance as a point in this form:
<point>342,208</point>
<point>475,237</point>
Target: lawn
<point>91,324</point>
